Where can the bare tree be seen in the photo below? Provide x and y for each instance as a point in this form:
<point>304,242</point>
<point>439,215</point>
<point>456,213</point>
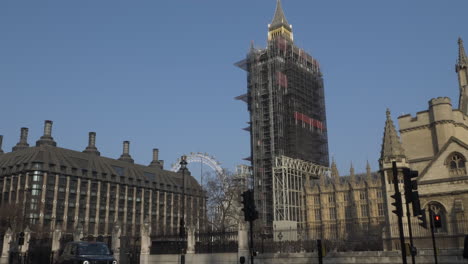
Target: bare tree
<point>11,216</point>
<point>223,204</point>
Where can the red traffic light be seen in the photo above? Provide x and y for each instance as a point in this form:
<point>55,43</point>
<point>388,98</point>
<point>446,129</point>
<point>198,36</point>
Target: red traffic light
<point>437,221</point>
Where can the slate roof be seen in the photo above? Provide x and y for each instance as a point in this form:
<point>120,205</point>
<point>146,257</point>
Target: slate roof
<point>89,165</point>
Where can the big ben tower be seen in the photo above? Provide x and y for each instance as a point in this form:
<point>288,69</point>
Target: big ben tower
<point>286,102</point>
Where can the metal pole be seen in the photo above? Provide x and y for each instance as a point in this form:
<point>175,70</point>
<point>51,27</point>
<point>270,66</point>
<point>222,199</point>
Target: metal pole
<point>400,221</point>
<point>183,166</point>
<point>251,243</point>
<point>408,215</point>
<point>431,215</point>
<point>320,251</point>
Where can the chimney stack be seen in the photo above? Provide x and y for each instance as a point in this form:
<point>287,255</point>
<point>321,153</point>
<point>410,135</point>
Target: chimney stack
<point>126,153</point>
<point>126,148</point>
<point>1,141</point>
<point>156,163</point>
<point>47,138</point>
<point>48,128</point>
<point>91,148</point>
<point>155,154</point>
<point>23,143</point>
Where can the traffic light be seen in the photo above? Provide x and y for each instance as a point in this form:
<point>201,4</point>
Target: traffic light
<point>437,221</point>
<point>398,206</point>
<point>411,189</point>
<point>423,219</point>
<point>410,184</point>
<point>245,203</point>
<point>248,202</point>
<point>416,203</point>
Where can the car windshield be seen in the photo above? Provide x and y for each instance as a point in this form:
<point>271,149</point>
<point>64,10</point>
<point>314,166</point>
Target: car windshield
<point>93,249</point>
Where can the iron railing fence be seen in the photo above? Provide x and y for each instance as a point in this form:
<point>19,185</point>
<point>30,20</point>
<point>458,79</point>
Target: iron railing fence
<point>217,242</point>
<point>167,244</point>
<point>130,248</point>
<point>360,237</point>
<point>450,235</point>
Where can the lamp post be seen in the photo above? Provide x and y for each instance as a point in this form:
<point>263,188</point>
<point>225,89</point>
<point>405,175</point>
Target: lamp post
<point>182,233</point>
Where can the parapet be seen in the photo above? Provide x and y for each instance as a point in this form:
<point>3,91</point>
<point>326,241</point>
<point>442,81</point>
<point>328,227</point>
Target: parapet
<point>440,100</point>
<point>408,121</point>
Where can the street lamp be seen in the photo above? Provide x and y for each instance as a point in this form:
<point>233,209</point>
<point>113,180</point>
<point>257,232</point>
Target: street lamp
<point>183,168</point>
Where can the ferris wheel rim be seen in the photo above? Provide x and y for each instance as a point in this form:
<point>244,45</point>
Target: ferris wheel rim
<point>199,157</point>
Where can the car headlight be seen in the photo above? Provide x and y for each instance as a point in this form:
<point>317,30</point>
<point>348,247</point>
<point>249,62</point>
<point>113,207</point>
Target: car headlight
<point>85,262</point>
<point>114,262</point>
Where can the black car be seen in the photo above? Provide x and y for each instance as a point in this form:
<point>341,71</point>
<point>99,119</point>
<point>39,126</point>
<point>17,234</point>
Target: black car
<point>86,253</point>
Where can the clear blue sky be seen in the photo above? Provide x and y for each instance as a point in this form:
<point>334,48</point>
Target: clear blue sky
<point>161,74</point>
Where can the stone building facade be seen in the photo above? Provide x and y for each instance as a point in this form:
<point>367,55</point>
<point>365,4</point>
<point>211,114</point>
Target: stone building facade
<point>57,187</point>
<point>434,143</point>
<point>344,208</point>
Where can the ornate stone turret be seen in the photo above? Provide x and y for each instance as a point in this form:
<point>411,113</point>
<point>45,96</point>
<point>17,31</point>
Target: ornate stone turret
<point>91,148</point>
<point>156,163</point>
<point>334,172</point>
<point>279,25</point>
<point>126,153</point>
<point>351,173</point>
<point>391,146</point>
<point>462,71</point>
<point>23,143</point>
<point>392,151</point>
<point>47,138</point>
<point>368,172</point>
<point>1,142</point>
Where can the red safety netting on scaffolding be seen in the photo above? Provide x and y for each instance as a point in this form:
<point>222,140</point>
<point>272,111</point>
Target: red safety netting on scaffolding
<point>308,120</point>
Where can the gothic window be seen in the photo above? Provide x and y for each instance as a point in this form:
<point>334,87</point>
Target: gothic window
<point>364,210</point>
<point>348,212</point>
<point>331,198</point>
<point>332,212</point>
<point>317,199</point>
<point>379,194</point>
<point>456,164</point>
<point>362,195</point>
<point>381,209</point>
<point>317,214</point>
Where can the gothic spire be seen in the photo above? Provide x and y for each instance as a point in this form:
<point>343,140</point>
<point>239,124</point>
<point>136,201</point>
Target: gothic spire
<point>334,171</point>
<point>279,19</point>
<point>351,173</point>
<point>279,25</point>
<point>391,146</point>
<point>462,71</point>
<point>368,171</point>
<point>462,59</point>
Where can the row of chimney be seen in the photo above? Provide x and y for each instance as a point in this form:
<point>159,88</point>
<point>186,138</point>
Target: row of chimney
<point>47,139</point>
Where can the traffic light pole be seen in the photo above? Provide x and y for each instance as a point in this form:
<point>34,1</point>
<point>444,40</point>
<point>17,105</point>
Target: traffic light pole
<point>251,243</point>
<point>431,216</point>
<point>400,221</point>
<point>408,215</point>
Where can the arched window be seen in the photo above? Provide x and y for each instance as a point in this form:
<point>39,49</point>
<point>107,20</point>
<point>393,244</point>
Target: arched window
<point>456,164</point>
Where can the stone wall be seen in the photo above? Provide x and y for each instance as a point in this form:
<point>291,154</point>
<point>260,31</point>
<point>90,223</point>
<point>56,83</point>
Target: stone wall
<point>387,257</point>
